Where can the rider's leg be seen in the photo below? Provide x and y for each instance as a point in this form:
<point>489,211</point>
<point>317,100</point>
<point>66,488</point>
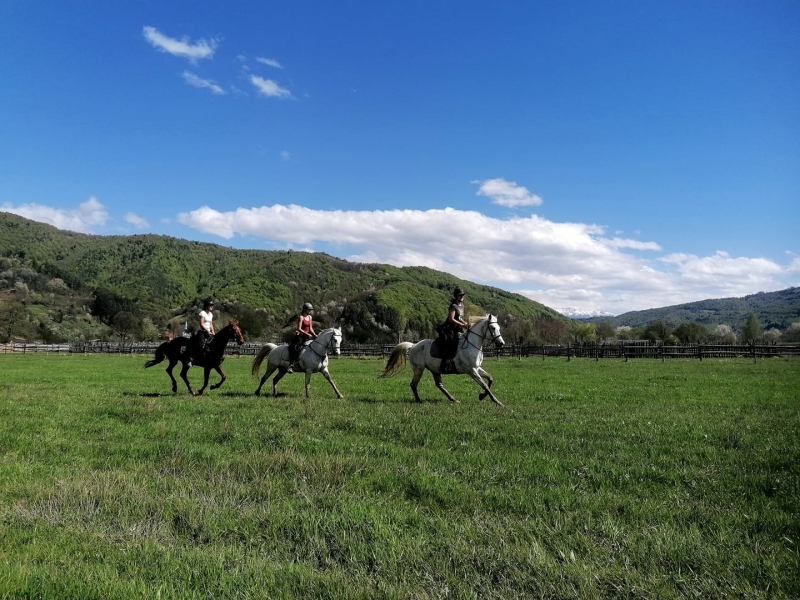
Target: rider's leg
<point>294,352</point>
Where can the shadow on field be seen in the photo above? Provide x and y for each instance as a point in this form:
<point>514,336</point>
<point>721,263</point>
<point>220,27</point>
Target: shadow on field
<point>371,400</point>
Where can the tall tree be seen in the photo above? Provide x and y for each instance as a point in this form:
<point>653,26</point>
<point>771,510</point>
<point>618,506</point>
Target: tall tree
<point>691,333</point>
<point>605,331</point>
<point>656,330</point>
<point>126,325</point>
<point>15,314</point>
<point>752,328</point>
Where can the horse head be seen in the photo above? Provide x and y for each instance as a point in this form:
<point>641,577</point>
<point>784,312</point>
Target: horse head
<point>237,333</point>
<point>493,331</point>
<point>336,342</point>
<point>331,340</point>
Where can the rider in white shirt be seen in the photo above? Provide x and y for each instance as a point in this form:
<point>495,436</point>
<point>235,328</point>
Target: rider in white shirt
<point>205,331</point>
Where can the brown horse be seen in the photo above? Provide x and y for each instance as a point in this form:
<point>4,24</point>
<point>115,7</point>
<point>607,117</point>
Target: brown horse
<point>177,350</point>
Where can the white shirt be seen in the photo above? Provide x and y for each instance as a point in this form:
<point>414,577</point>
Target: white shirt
<point>207,318</point>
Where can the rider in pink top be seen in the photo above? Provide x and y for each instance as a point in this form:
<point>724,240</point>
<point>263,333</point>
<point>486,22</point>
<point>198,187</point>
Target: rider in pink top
<point>303,332</point>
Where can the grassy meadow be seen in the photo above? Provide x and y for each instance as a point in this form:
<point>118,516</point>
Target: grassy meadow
<point>606,479</point>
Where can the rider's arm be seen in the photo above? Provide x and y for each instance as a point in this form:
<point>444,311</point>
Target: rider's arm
<point>451,316</point>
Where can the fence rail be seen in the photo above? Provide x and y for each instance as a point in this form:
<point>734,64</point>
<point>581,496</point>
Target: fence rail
<point>596,351</point>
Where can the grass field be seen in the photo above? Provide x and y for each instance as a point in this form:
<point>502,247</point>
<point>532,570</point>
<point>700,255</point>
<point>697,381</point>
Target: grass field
<point>606,479</point>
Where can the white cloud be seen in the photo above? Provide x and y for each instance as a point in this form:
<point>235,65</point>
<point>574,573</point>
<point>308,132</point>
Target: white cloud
<point>196,81</point>
<point>562,265</point>
<point>267,87</point>
<point>182,48</point>
<point>286,155</point>
<point>83,219</point>
<point>136,220</point>
<point>271,62</point>
<point>507,193</point>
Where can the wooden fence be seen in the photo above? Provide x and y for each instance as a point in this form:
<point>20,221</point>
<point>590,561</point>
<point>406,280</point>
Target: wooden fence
<point>619,350</point>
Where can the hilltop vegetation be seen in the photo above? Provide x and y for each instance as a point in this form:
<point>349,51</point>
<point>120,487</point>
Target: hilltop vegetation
<point>773,310</point>
<point>59,285</point>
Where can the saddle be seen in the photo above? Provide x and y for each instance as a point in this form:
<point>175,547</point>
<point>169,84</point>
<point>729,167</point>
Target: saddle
<point>444,348</point>
<point>197,347</point>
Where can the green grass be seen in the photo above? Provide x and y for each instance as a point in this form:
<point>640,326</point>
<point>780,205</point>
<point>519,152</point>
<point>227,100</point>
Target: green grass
<point>611,479</point>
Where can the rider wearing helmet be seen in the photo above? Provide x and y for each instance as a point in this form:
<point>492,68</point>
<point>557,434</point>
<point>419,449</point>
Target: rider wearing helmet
<point>205,331</point>
<point>451,328</point>
<point>304,331</point>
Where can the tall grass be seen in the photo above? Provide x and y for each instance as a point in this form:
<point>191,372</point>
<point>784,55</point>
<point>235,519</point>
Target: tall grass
<point>599,479</point>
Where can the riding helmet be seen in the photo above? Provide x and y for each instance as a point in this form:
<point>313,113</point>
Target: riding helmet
<point>308,306</point>
<point>458,292</point>
<point>208,302</point>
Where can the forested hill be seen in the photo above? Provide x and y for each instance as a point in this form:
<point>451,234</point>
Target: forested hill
<point>773,309</point>
<point>162,277</point>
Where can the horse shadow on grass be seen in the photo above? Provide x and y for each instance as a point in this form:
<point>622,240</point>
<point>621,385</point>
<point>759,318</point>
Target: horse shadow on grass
<point>184,395</point>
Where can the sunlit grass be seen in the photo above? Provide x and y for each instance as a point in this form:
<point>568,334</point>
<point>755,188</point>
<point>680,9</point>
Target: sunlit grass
<point>598,479</point>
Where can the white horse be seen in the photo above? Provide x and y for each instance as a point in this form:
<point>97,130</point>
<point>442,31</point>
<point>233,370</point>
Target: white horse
<point>468,359</point>
<point>313,359</point>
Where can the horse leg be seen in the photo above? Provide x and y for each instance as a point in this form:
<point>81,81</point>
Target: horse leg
<point>327,376</point>
<point>184,370</point>
<point>418,373</point>
<point>171,366</point>
<point>476,374</point>
<point>270,369</point>
<point>488,379</point>
<point>437,378</point>
<point>219,370</point>
<point>281,372</point>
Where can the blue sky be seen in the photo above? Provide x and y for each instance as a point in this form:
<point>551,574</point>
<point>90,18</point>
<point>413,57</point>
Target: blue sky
<point>593,156</point>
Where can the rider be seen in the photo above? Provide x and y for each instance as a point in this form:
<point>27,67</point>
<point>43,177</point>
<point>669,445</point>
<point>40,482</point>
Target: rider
<point>205,330</point>
<point>304,331</point>
<point>452,326</point>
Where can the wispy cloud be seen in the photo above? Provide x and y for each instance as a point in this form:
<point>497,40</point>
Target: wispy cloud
<point>563,265</point>
<point>136,221</point>
<point>270,62</point>
<point>507,193</point>
<point>268,87</point>
<point>84,219</point>
<point>199,82</point>
<point>183,48</point>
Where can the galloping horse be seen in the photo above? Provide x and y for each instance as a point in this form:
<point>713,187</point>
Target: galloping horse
<point>177,350</point>
<point>467,361</point>
<point>313,359</point>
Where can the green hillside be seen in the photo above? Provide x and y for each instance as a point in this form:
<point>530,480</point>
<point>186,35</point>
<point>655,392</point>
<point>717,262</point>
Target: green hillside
<point>65,275</point>
<point>773,309</point>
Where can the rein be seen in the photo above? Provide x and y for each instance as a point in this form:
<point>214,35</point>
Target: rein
<point>466,341</point>
<point>325,347</point>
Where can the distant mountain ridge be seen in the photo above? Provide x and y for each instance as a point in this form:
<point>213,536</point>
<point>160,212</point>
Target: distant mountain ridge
<point>576,313</point>
<point>773,309</point>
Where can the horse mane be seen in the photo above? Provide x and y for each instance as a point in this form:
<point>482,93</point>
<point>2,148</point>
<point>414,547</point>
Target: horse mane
<point>475,320</point>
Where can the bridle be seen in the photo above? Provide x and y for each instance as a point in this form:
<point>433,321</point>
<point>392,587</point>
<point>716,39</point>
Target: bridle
<point>488,322</point>
<point>326,347</point>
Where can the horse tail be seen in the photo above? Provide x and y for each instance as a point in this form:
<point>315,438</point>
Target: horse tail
<point>161,354</point>
<point>259,358</point>
<point>397,360</point>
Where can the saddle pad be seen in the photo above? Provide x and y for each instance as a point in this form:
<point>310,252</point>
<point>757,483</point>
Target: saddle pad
<point>440,350</point>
